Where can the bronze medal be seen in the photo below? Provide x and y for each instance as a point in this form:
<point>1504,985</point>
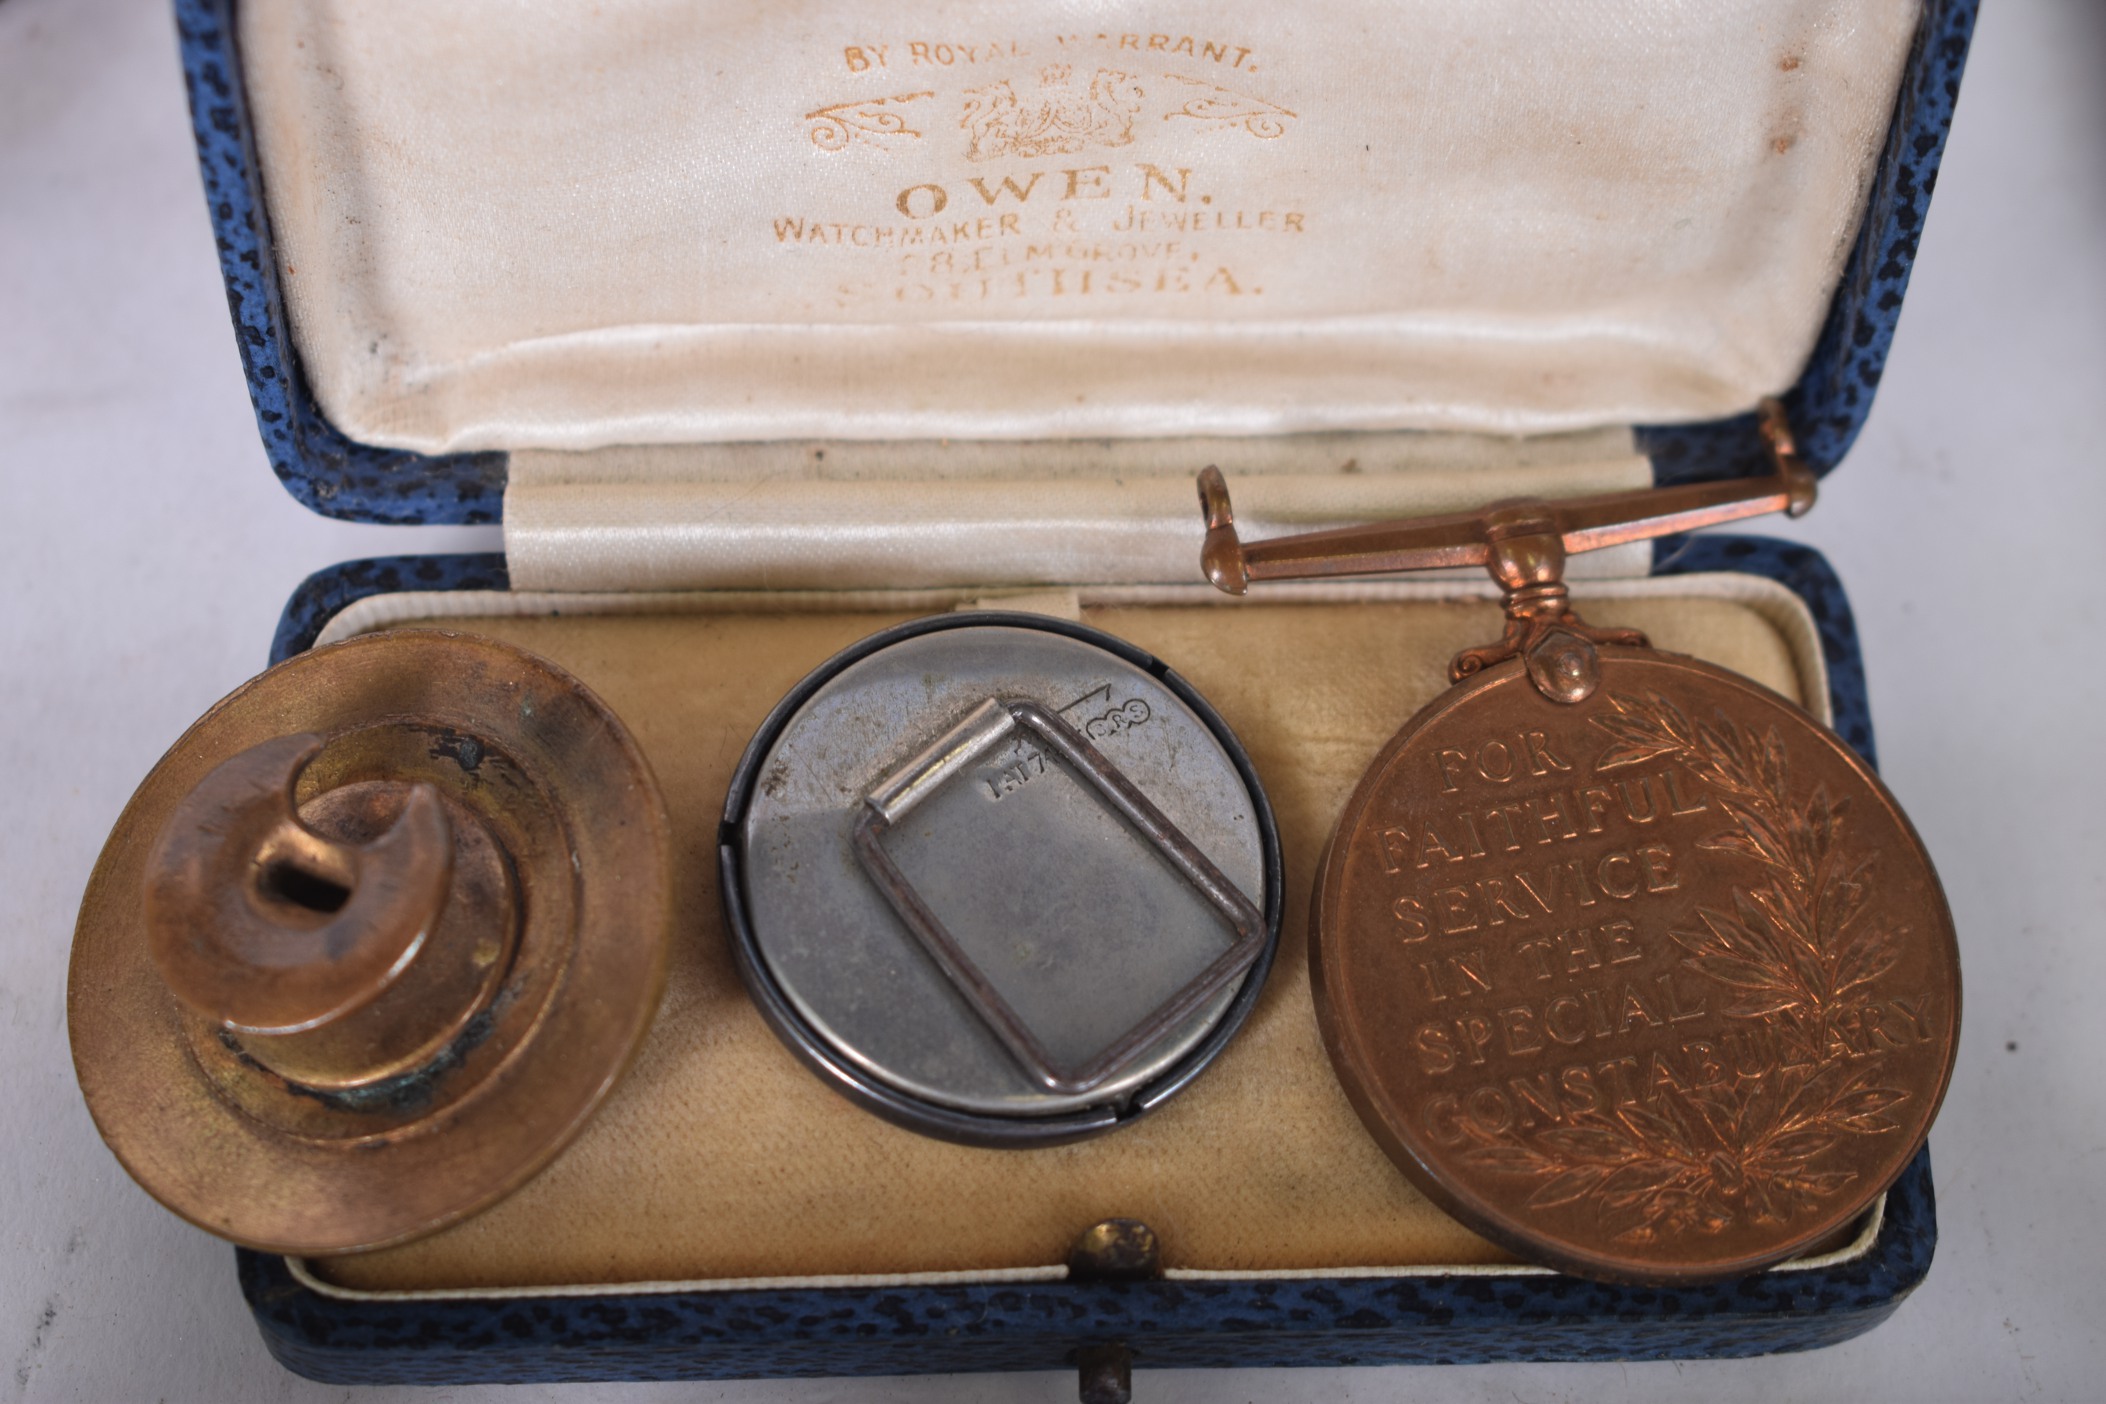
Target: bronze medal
<point>1628,962</point>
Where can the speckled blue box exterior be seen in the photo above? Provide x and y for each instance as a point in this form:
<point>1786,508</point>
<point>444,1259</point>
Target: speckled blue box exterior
<point>1040,1326</point>
<point>923,1330</point>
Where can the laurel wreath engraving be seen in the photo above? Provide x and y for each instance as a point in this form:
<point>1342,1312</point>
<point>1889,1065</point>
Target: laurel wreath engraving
<point>1797,953</point>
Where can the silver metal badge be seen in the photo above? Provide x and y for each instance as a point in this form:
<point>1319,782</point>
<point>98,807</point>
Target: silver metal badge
<point>1005,882</point>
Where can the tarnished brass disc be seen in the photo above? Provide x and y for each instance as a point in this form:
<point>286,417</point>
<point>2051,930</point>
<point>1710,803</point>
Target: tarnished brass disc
<point>520,1007</point>
<point>1658,986</point>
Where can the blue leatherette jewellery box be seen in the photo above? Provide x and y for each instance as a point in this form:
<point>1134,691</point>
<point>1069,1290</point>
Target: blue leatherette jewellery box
<point>1103,89</point>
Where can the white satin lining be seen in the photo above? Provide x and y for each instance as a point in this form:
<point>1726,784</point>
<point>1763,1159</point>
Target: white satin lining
<point>573,524</point>
<point>551,226</point>
<point>1776,603</point>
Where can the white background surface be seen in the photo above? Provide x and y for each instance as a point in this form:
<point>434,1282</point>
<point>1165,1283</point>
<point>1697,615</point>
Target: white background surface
<point>145,551</point>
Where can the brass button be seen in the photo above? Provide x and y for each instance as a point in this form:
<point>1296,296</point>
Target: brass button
<point>371,943</point>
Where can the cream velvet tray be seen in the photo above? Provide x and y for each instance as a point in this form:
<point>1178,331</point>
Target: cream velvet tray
<point>726,1214</point>
<point>721,1157</point>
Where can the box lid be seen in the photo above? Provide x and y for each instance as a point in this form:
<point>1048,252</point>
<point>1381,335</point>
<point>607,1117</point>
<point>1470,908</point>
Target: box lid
<point>341,476</point>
